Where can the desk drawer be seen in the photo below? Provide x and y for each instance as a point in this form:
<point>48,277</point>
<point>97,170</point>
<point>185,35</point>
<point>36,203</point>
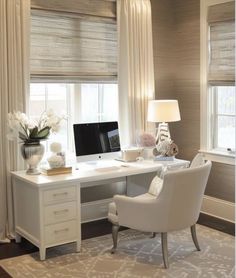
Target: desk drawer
<point>61,232</point>
<point>59,213</point>
<point>59,195</point>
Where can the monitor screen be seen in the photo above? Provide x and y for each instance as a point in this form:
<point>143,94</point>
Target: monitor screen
<point>95,138</point>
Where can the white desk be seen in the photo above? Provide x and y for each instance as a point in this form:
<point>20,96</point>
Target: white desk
<point>48,208</point>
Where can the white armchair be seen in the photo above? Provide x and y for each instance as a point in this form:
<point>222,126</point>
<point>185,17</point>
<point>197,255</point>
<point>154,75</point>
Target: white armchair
<point>177,206</point>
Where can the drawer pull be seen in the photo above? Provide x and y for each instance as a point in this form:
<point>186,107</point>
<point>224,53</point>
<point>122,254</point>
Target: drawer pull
<point>61,211</point>
<point>60,194</point>
<point>61,231</point>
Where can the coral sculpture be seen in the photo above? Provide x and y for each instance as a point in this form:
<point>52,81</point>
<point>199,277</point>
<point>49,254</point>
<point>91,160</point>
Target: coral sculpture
<point>166,148</point>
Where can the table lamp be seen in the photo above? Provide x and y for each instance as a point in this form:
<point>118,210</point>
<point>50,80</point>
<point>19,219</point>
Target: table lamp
<point>163,111</point>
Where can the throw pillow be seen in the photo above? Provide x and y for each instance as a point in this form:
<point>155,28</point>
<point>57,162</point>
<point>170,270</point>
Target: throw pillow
<point>155,186</point>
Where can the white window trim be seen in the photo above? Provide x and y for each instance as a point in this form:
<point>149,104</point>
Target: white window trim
<point>218,156</point>
<point>205,130</point>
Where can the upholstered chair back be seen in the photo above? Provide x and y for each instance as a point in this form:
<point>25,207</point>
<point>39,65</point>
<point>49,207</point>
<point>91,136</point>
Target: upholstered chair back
<point>182,196</point>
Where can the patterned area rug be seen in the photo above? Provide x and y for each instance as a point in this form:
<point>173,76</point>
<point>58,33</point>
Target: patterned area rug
<point>137,256</point>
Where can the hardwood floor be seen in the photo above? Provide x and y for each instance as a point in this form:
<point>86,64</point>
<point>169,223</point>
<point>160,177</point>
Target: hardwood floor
<point>91,229</point>
<point>98,228</point>
<point>3,273</point>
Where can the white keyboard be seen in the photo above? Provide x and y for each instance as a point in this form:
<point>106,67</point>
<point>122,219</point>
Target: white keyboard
<point>108,168</point>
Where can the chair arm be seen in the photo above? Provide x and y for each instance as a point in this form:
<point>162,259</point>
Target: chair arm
<point>138,213</point>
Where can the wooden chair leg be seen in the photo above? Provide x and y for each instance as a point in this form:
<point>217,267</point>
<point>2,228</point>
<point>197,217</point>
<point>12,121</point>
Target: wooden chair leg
<point>194,237</point>
<point>115,229</point>
<point>164,249</point>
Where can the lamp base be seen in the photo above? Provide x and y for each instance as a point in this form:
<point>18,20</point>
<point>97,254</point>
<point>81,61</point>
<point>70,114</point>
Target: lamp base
<point>163,133</point>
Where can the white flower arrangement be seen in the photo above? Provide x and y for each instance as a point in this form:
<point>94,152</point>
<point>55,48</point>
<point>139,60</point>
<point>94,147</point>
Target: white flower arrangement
<point>28,130</point>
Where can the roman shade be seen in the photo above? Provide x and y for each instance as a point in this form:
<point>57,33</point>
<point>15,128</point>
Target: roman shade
<point>73,41</point>
<point>221,42</point>
<point>102,8</point>
<point>221,12</point>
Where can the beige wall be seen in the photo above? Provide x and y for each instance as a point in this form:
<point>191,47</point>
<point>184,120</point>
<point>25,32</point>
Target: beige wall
<point>187,75</point>
<point>163,50</point>
<point>176,33</point>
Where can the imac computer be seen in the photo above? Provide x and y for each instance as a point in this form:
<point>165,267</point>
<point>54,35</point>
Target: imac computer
<point>96,141</point>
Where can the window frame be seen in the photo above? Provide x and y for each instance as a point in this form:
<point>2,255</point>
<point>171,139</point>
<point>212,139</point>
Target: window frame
<point>206,96</point>
<point>74,103</point>
<point>213,91</point>
<point>69,108</point>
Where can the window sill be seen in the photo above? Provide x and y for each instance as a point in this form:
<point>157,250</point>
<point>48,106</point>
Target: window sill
<point>218,156</point>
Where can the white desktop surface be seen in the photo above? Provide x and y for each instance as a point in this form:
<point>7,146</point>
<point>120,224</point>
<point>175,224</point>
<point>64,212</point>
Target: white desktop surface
<point>87,173</point>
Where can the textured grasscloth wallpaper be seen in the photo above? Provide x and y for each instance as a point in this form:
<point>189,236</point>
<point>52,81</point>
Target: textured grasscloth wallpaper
<point>176,39</point>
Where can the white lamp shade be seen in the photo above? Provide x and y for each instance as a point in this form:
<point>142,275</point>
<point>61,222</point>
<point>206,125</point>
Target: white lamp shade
<point>163,111</point>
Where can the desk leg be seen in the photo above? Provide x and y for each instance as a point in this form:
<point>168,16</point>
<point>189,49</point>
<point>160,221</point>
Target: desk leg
<point>18,238</point>
<point>153,235</point>
<point>78,245</point>
<point>42,253</point>
<point>78,242</point>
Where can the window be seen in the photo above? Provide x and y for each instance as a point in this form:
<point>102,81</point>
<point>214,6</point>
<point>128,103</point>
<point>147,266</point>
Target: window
<point>218,79</point>
<point>56,97</point>
<point>74,63</point>
<point>99,103</point>
<point>223,117</point>
<point>80,102</point>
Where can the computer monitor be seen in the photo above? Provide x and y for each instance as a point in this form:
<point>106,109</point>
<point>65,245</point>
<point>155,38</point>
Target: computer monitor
<point>96,141</point>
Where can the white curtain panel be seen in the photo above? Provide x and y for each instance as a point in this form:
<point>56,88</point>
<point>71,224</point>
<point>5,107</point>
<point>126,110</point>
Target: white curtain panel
<point>135,67</point>
<point>14,87</point>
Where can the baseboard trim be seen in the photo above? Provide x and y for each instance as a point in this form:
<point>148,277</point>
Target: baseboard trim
<point>218,208</point>
<point>217,224</point>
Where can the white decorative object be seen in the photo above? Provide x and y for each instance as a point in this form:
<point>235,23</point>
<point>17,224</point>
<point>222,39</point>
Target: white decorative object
<point>163,132</point>
<point>163,146</point>
<point>57,159</point>
<point>166,148</point>
<point>131,154</point>
<point>55,147</point>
